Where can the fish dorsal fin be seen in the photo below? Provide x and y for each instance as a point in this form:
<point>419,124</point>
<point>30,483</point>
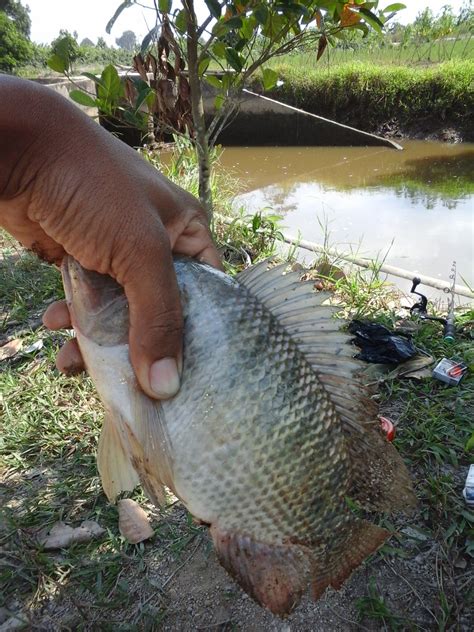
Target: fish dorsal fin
<point>308,319</point>
<point>380,478</point>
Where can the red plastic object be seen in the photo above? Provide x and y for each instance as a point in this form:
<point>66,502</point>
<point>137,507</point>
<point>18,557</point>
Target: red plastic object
<point>387,427</point>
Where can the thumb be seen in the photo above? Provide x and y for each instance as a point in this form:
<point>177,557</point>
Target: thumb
<point>156,321</point>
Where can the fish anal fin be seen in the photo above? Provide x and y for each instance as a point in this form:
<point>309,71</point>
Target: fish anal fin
<point>275,575</point>
<point>365,539</point>
<point>113,460</point>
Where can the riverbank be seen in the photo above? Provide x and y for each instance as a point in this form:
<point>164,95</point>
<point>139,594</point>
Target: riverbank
<point>431,102</point>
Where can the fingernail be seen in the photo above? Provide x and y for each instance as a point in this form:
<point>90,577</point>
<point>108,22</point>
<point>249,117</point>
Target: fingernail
<point>164,378</point>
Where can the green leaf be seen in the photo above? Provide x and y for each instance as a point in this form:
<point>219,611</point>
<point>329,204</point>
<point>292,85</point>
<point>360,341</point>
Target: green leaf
<point>219,101</point>
<point>270,78</point>
<point>112,88</point>
<point>219,49</point>
<point>93,77</point>
<point>361,26</point>
<point>203,66</point>
<point>240,45</point>
<point>468,515</point>
<point>470,443</point>
<point>396,6</point>
<point>214,8</point>
<point>150,99</point>
<point>233,23</point>
<point>180,21</point>
<point>234,59</point>
<point>136,119</point>
<point>248,27</point>
<point>58,63</point>
<point>143,96</point>
<point>111,22</point>
<point>275,27</point>
<point>164,6</point>
<point>83,98</point>
<point>371,19</point>
<point>214,81</point>
<point>261,14</point>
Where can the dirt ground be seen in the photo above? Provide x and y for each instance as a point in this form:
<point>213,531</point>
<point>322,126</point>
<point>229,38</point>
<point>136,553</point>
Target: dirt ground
<point>395,590</point>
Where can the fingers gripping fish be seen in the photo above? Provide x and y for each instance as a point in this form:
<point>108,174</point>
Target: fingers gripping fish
<point>272,429</point>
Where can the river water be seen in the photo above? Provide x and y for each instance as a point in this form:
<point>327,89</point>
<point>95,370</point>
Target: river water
<point>415,207</point>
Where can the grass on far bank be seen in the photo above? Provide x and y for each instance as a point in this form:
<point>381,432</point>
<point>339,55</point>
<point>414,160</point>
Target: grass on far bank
<point>369,94</point>
<point>384,53</point>
<point>49,431</point>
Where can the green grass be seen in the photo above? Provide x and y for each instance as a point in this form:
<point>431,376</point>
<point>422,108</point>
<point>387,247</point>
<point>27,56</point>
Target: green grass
<point>386,53</point>
<point>368,94</point>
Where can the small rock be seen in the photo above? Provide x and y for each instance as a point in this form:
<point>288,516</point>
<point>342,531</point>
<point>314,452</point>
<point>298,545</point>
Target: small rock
<point>61,535</point>
<point>133,521</point>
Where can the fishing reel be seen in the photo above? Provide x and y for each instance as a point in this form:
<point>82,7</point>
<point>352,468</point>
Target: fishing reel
<point>420,309</point>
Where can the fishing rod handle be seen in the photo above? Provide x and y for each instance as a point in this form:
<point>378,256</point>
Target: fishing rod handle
<point>449,331</point>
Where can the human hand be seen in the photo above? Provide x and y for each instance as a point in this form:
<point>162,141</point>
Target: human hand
<point>68,186</point>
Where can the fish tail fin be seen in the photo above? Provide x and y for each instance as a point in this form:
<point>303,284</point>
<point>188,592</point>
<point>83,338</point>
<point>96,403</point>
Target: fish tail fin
<point>364,538</point>
<point>113,461</point>
<point>276,576</point>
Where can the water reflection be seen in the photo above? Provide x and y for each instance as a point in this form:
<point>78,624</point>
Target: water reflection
<point>433,179</point>
<point>373,196</point>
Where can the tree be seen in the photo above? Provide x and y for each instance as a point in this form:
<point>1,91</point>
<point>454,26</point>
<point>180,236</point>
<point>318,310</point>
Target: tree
<point>18,14</point>
<point>87,42</point>
<point>101,43</point>
<point>65,51</point>
<point>15,49</point>
<point>228,37</point>
<point>128,40</point>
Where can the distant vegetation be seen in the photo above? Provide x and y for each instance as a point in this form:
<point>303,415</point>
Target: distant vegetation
<point>84,55</point>
<point>431,38</point>
<point>19,55</point>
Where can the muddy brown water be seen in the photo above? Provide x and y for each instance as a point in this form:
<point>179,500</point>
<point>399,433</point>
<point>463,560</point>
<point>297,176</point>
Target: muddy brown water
<point>415,207</point>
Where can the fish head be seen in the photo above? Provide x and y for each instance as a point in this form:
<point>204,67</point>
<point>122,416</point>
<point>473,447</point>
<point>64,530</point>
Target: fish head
<point>97,304</point>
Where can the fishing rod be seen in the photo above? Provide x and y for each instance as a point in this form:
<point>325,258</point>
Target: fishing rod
<point>420,306</point>
<point>449,328</point>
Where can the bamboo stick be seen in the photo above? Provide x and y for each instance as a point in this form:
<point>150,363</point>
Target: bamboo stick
<point>439,284</point>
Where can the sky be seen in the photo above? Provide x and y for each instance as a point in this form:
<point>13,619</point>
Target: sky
<point>89,17</point>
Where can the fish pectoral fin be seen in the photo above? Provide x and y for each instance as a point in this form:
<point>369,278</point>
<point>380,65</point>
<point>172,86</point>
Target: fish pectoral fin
<point>113,461</point>
<point>364,539</point>
<point>275,575</point>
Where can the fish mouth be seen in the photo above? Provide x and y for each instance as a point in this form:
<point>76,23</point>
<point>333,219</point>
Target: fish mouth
<point>96,302</point>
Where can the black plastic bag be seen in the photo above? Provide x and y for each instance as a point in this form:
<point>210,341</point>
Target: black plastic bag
<point>380,345</point>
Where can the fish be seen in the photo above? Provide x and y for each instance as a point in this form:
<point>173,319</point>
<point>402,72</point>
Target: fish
<point>272,440</point>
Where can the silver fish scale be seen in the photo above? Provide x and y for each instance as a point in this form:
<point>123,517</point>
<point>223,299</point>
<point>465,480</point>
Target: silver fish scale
<point>257,444</point>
